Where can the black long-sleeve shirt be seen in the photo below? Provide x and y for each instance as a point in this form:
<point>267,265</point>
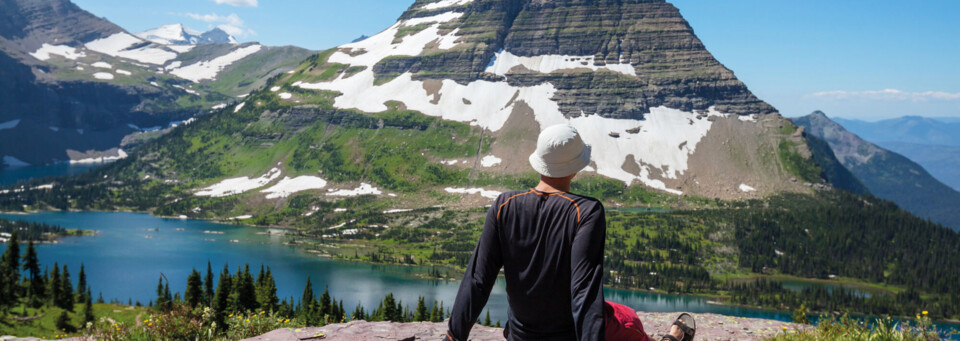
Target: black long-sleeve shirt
<point>550,246</point>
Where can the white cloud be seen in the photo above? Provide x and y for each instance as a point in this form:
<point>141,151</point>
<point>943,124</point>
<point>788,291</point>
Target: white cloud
<point>238,3</point>
<point>888,94</point>
<point>232,24</point>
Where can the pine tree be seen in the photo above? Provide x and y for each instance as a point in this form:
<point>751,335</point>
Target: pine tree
<point>244,295</point>
<point>486,320</point>
<point>422,314</point>
<point>88,309</point>
<point>357,313</point>
<point>66,290</point>
<point>221,299</point>
<point>325,303</point>
<point>306,299</point>
<point>390,312</point>
<point>10,272</point>
<point>434,313</point>
<point>63,322</point>
<point>194,294</point>
<point>31,264</point>
<point>81,284</point>
<point>168,300</point>
<point>161,295</point>
<point>100,297</point>
<point>267,291</point>
<point>208,286</point>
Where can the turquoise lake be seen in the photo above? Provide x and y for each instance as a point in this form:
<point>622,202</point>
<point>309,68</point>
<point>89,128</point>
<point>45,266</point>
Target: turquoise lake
<point>126,258</point>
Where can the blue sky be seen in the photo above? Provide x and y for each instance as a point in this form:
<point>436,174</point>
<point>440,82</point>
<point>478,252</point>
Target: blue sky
<point>856,59</point>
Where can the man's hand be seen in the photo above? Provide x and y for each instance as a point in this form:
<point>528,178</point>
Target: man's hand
<point>447,337</point>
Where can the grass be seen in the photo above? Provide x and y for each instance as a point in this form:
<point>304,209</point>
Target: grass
<point>45,326</point>
<point>847,329</point>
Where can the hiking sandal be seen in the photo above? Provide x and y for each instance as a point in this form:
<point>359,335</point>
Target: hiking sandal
<point>687,325</point>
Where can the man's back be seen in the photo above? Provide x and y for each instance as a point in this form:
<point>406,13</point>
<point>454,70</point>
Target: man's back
<point>550,246</point>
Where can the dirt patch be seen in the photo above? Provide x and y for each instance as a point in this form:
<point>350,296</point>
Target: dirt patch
<point>432,87</point>
<point>735,152</point>
<point>514,143</point>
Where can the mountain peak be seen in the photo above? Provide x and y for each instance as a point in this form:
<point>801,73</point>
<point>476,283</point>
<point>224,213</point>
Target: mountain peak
<point>178,34</point>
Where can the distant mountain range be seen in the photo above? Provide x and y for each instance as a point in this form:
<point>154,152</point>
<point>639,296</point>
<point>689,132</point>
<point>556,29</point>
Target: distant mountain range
<point>908,129</point>
<point>75,85</point>
<point>886,174</point>
<point>934,143</point>
<point>177,34</point>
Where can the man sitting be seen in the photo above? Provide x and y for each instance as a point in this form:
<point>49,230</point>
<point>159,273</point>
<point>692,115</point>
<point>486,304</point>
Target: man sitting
<point>550,245</point>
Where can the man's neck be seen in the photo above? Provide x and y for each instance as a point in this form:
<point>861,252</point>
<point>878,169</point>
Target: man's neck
<point>553,184</point>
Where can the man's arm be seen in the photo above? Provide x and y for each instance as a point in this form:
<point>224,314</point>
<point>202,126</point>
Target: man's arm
<point>586,281</point>
<point>477,282</point>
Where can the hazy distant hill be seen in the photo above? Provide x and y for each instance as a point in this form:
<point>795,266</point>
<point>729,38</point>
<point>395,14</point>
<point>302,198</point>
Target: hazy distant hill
<point>887,174</point>
<point>934,143</point>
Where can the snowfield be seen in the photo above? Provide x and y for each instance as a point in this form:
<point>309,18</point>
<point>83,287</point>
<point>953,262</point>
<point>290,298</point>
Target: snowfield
<point>238,185</point>
<point>9,124</point>
<point>745,188</point>
<point>119,44</point>
<point>446,3</point>
<point>504,61</point>
<point>285,95</point>
<point>490,161</point>
<point>364,189</point>
<point>489,194</point>
<point>102,65</point>
<point>44,52</point>
<point>288,186</point>
<point>124,72</point>
<point>104,159</point>
<point>103,75</point>
<point>209,69</point>
<point>11,161</point>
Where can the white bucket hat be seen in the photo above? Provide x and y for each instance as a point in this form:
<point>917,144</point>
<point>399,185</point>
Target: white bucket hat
<point>560,152</point>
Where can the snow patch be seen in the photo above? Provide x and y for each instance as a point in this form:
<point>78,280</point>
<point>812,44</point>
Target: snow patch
<point>102,65</point>
<point>181,48</point>
<point>339,210</point>
<point>103,159</point>
<point>238,185</point>
<point>239,106</point>
<point>209,69</point>
<point>103,75</point>
<point>503,61</point>
<point>285,95</point>
<point>745,188</point>
<point>364,189</point>
<point>275,89</point>
<point>9,124</point>
<point>397,210</point>
<point>746,118</point>
<point>489,194</point>
<point>449,40</point>
<point>490,161</point>
<point>120,44</point>
<point>124,72</point>
<point>219,106</point>
<point>13,162</point>
<point>446,3</point>
<point>449,162</point>
<point>45,50</point>
<point>288,186</point>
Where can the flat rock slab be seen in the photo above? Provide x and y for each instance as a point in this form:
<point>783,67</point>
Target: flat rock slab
<point>710,327</point>
<point>716,327</point>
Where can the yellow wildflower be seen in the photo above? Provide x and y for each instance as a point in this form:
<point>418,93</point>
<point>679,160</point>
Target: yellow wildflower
<point>261,312</point>
<point>784,328</point>
<point>925,312</point>
<point>918,316</point>
<point>231,315</point>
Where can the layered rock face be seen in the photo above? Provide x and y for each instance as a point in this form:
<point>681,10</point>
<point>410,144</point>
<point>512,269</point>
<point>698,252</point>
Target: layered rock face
<point>631,76</point>
<point>663,63</point>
